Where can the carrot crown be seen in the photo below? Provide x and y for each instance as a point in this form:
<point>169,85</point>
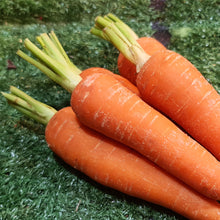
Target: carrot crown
<point>112,29</point>
<point>52,60</point>
<point>29,106</point>
<point>124,28</point>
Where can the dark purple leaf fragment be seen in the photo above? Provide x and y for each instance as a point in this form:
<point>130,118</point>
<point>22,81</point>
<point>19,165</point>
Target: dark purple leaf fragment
<point>11,65</point>
<point>161,33</point>
<point>158,4</point>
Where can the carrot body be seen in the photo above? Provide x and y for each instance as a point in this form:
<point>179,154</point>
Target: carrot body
<point>171,84</point>
<point>115,165</point>
<point>102,103</point>
<point>127,69</point>
<point>125,82</point>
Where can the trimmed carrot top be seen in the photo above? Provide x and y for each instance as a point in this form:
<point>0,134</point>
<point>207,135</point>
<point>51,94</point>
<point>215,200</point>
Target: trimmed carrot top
<point>29,106</point>
<point>111,28</point>
<point>110,18</point>
<point>53,61</point>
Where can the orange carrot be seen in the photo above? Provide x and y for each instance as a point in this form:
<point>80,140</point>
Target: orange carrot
<point>104,104</point>
<point>113,164</point>
<point>125,82</point>
<point>171,84</point>
<point>150,45</point>
<point>126,68</point>
<point>189,99</point>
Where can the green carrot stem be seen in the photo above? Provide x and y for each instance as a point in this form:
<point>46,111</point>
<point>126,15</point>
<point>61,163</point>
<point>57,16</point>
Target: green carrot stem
<point>29,106</point>
<point>40,40</point>
<point>132,52</point>
<point>62,51</point>
<point>99,26</point>
<point>48,72</point>
<point>99,33</point>
<point>113,17</point>
<point>61,73</point>
<point>107,20</point>
<point>45,58</point>
<point>120,42</point>
<point>51,49</point>
<point>124,28</point>
<point>101,22</point>
<point>58,45</point>
<point>125,41</point>
<point>126,34</point>
<point>54,49</point>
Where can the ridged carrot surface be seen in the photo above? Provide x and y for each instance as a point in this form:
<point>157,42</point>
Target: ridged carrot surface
<point>102,103</point>
<point>125,82</point>
<point>172,84</point>
<point>115,165</point>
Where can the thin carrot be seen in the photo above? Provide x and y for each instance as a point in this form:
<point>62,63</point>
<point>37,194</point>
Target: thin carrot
<point>111,163</point>
<point>104,104</point>
<point>170,83</point>
<point>150,45</point>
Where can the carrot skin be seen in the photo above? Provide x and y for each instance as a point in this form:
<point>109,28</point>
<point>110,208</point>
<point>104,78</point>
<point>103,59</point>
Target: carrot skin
<point>176,88</point>
<point>125,82</point>
<point>127,69</point>
<point>119,167</point>
<point>103,104</point>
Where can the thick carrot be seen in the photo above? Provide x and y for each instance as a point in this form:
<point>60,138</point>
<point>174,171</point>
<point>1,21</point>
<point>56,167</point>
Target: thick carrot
<point>150,45</point>
<point>113,164</point>
<point>182,93</point>
<point>104,104</point>
<point>171,84</point>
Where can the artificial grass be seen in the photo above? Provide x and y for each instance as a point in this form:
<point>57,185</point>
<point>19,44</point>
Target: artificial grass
<point>34,183</point>
<point>28,11</point>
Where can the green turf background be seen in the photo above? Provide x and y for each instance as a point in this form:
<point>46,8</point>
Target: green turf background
<point>34,183</point>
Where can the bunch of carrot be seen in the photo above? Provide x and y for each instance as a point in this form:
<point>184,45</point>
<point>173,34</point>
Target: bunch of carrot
<point>132,121</point>
<point>110,163</point>
<point>167,81</point>
<point>110,105</point>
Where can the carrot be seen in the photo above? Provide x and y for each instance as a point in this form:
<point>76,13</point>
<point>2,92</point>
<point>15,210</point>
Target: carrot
<point>105,105</point>
<point>111,163</point>
<point>171,84</point>
<point>125,67</point>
